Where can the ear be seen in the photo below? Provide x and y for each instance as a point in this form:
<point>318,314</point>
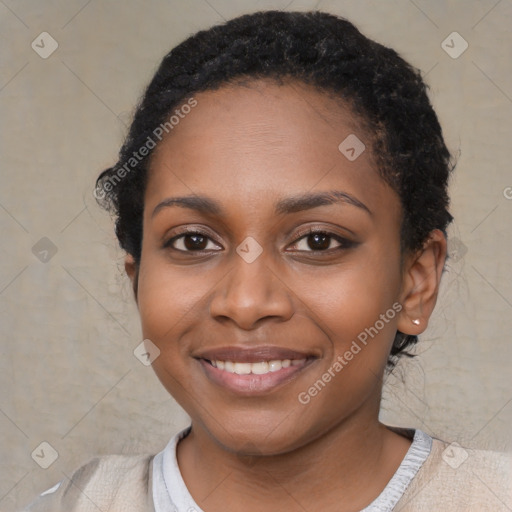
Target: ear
<point>132,270</point>
<point>420,284</point>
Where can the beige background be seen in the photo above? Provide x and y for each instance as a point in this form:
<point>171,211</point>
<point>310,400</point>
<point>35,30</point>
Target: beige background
<point>69,326</point>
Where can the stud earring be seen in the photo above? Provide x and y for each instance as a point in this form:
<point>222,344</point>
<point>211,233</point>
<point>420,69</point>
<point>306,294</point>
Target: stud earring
<point>416,321</point>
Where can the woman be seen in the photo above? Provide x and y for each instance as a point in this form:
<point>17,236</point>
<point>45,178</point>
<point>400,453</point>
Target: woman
<point>282,201</point>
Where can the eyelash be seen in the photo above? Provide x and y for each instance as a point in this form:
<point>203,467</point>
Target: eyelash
<point>344,243</point>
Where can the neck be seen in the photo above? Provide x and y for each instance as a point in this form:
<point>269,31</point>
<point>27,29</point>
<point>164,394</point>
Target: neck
<point>352,462</point>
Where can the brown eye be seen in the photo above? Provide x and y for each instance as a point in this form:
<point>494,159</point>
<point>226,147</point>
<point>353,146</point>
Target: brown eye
<point>321,241</point>
<point>191,242</point>
<point>318,241</point>
<point>195,242</point>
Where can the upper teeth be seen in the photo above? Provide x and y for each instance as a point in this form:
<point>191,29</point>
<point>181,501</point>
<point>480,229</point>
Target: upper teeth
<point>259,368</point>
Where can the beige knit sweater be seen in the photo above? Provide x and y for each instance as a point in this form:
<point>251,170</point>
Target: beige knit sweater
<point>450,480</point>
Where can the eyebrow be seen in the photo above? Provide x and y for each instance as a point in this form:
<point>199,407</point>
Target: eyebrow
<point>293,204</point>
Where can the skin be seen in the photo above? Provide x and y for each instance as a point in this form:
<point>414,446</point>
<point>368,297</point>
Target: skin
<point>247,147</point>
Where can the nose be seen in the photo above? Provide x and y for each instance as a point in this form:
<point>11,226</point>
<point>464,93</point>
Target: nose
<point>250,293</point>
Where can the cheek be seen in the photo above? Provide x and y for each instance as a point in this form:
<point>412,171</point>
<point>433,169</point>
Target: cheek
<point>353,297</point>
<point>357,308</point>
<point>169,303</point>
<point>169,298</point>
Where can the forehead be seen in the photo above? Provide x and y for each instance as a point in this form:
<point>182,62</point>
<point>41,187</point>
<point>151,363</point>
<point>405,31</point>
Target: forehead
<point>262,140</point>
<point>264,112</point>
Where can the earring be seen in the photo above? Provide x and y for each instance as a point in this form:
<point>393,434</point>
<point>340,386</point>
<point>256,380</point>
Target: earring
<point>416,321</point>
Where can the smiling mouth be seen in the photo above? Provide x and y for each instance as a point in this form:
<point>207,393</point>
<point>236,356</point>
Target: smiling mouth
<point>254,371</point>
<point>254,378</point>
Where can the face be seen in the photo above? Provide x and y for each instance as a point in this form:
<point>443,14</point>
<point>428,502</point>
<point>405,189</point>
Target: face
<point>267,253</point>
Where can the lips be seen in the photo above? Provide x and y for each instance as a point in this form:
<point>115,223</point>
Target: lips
<point>253,371</point>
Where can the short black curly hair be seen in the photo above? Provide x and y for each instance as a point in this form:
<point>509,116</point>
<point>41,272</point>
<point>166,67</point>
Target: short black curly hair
<point>386,94</point>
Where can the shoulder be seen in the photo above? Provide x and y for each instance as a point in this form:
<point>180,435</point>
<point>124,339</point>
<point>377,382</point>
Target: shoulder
<point>113,482</point>
<point>461,479</point>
